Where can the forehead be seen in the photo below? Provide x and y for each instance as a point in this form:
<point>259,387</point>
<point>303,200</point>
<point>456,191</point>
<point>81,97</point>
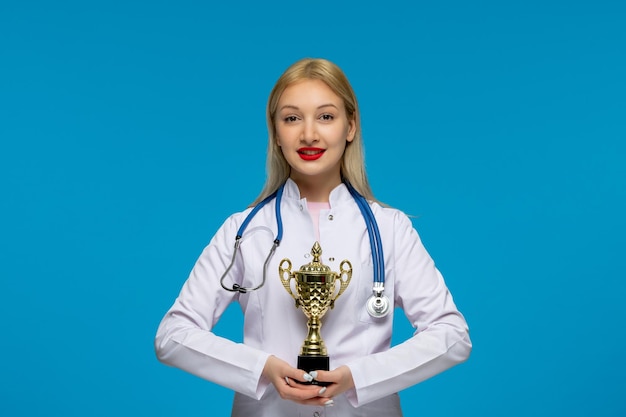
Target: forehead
<point>309,92</point>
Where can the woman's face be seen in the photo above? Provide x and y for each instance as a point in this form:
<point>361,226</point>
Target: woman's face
<point>312,130</point>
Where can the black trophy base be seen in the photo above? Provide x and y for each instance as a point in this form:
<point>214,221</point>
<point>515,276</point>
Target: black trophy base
<point>310,363</point>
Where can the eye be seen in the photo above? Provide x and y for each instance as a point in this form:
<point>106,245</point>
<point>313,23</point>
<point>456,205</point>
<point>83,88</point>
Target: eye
<point>290,119</point>
<point>327,117</point>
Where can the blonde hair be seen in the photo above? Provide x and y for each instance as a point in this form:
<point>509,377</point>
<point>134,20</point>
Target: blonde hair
<point>353,161</point>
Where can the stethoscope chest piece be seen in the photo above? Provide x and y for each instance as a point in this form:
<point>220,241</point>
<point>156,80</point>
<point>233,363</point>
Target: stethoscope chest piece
<point>378,305</point>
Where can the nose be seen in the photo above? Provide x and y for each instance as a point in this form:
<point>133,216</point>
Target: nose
<point>309,132</point>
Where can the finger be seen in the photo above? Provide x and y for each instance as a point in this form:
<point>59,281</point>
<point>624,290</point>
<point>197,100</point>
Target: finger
<point>298,385</point>
<point>322,392</point>
<point>319,401</point>
<point>324,376</point>
<point>299,389</point>
<point>299,375</point>
<point>298,392</point>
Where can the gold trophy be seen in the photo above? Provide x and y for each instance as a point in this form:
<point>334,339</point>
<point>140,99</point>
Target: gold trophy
<point>316,292</point>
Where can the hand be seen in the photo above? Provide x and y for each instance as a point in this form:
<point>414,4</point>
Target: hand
<point>283,376</point>
<point>340,381</point>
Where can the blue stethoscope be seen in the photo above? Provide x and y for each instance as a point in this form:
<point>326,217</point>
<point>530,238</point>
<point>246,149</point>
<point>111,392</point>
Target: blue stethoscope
<point>378,304</point>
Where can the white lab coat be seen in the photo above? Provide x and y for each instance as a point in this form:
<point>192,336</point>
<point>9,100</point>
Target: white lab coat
<point>273,326</point>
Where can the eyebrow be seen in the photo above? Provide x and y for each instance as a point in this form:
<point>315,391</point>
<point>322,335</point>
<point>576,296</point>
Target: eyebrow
<point>291,106</point>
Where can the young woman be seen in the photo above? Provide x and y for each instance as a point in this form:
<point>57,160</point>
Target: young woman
<point>315,157</point>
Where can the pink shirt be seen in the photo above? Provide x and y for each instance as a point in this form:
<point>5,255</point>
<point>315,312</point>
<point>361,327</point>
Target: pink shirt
<point>314,209</point>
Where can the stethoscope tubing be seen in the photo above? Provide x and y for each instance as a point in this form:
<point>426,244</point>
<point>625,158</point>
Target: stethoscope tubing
<point>378,304</point>
<point>278,194</point>
<point>378,260</point>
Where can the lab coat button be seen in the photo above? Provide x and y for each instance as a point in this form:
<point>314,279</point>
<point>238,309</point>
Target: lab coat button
<point>317,414</point>
<point>330,217</point>
<point>301,208</point>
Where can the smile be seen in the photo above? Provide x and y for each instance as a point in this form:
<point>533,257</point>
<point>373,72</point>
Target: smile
<point>310,154</point>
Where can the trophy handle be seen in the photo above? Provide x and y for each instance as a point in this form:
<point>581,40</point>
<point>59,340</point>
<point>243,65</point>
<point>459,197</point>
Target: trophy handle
<point>345,275</point>
<point>286,276</point>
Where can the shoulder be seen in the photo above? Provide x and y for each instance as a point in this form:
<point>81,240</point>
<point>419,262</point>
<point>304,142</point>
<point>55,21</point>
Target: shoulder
<point>395,226</point>
<point>233,222</point>
<point>391,216</point>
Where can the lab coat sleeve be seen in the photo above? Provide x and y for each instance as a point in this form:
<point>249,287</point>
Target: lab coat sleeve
<point>185,339</point>
<point>441,339</point>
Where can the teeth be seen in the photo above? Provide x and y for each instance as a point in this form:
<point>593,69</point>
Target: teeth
<point>310,152</point>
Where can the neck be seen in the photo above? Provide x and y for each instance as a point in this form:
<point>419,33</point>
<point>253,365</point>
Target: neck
<point>316,190</point>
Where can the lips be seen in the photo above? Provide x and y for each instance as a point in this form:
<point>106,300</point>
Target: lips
<point>310,154</point>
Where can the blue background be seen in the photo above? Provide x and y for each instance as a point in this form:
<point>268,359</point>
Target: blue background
<point>130,130</point>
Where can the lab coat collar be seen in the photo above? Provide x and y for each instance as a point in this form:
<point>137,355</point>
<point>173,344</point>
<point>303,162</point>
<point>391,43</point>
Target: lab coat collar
<point>337,196</point>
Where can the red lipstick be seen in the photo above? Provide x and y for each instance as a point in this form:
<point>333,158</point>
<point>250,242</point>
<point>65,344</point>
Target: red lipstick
<point>310,154</point>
